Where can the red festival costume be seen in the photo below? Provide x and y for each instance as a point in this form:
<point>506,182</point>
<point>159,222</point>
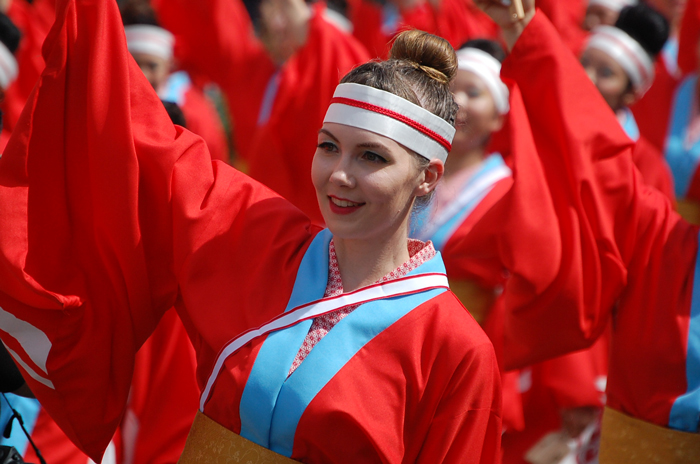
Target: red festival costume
<point>128,217</point>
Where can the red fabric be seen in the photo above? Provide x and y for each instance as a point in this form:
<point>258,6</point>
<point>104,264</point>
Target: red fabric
<point>34,21</point>
<point>456,20</point>
<point>215,38</point>
<point>653,110</point>
<point>116,216</point>
<point>653,167</point>
<point>202,119</point>
<point>688,38</point>
<point>611,242</point>
<point>567,18</point>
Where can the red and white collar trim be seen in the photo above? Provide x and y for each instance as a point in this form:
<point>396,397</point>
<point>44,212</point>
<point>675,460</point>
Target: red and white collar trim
<point>627,52</point>
<point>150,40</point>
<point>8,67</point>
<point>394,117</point>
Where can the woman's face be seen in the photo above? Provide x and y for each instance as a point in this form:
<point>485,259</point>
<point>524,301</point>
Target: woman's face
<point>599,15</point>
<point>611,80</point>
<point>477,117</point>
<point>365,183</point>
<point>155,68</point>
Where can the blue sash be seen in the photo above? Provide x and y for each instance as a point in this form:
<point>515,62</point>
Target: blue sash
<point>682,160</point>
<point>273,402</point>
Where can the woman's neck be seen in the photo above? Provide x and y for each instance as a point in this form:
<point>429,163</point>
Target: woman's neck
<point>464,160</point>
<point>364,262</point>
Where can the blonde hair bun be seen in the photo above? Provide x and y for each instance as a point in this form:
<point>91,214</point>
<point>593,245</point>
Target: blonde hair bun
<point>431,53</point>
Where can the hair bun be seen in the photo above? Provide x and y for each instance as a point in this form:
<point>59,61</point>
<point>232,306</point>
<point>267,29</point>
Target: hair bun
<point>645,25</point>
<point>427,51</point>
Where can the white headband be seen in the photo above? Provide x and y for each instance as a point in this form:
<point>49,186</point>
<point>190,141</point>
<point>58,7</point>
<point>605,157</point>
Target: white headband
<point>615,5</point>
<point>151,40</point>
<point>394,117</point>
<point>8,67</point>
<point>488,69</point>
<point>627,52</point>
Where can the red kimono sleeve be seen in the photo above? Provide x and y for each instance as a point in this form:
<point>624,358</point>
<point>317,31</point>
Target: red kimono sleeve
<point>561,243</point>
<point>102,203</point>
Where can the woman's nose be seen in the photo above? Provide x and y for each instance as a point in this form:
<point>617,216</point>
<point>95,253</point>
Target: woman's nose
<point>342,174</point>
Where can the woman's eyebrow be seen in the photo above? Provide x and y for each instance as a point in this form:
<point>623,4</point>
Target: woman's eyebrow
<point>324,131</point>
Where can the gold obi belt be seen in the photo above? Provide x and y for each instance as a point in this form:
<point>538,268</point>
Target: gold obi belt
<point>211,443</point>
<point>625,439</point>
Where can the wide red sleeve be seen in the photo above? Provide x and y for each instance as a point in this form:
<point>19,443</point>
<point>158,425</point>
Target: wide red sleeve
<point>102,203</point>
<point>606,223</point>
<point>559,238</point>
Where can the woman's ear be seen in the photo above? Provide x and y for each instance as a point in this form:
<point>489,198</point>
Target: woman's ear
<point>431,175</point>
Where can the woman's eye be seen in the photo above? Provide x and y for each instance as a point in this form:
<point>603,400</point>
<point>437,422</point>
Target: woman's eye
<point>370,156</point>
<point>473,93</point>
<point>606,72</point>
<point>327,146</point>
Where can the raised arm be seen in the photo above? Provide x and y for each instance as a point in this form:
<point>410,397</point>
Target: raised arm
<point>103,202</point>
<point>577,218</point>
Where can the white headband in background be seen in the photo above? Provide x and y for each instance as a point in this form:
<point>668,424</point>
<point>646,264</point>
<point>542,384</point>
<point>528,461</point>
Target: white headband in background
<point>627,52</point>
<point>394,117</point>
<point>615,5</point>
<point>8,67</point>
<point>488,69</point>
<point>151,40</point>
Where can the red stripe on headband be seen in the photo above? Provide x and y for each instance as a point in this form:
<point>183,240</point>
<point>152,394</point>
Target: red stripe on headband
<point>633,55</point>
<point>398,116</point>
